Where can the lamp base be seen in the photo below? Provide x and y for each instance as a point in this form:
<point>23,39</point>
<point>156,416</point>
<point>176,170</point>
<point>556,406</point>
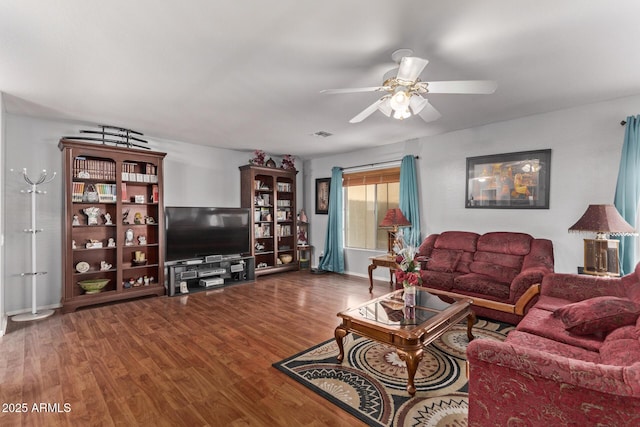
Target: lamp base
<point>601,257</point>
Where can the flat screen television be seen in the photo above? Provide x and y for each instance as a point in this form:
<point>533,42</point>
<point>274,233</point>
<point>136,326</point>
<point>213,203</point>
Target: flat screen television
<point>197,232</point>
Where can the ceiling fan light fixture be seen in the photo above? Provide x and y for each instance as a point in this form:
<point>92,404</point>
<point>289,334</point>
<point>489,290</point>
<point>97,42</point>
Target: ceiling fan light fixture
<point>401,114</point>
<point>400,99</point>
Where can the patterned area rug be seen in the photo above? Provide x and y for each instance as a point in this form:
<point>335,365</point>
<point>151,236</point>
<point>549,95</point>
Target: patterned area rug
<point>371,382</point>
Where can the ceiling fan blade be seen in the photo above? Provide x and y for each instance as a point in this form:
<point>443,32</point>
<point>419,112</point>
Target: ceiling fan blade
<point>428,113</point>
<point>385,107</point>
<point>367,111</point>
<point>463,86</point>
<point>410,68</point>
<point>417,103</point>
<point>355,90</point>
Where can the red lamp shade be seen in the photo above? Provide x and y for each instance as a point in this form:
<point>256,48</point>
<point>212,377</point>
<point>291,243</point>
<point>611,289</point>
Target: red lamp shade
<point>603,219</point>
<point>394,218</point>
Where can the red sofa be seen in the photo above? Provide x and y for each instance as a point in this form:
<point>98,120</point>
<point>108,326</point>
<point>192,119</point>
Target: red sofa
<point>500,271</point>
<point>573,360</point>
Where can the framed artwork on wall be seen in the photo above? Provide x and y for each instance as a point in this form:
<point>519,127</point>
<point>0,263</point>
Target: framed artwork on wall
<point>322,195</point>
<point>509,181</point>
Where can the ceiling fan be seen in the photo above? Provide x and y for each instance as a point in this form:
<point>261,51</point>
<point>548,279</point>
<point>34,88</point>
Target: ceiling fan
<point>403,97</point>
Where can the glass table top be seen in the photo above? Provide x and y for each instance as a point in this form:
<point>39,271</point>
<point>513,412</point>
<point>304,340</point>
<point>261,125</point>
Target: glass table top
<point>388,310</point>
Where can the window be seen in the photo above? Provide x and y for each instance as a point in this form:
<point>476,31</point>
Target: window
<point>368,195</point>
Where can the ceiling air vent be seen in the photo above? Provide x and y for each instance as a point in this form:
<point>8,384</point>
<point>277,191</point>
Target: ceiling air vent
<point>322,134</point>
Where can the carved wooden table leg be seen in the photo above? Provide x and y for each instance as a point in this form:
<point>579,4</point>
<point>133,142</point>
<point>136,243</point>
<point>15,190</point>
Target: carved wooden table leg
<point>391,273</point>
<point>371,268</point>
<point>340,333</point>
<point>412,358</point>
<point>471,320</point>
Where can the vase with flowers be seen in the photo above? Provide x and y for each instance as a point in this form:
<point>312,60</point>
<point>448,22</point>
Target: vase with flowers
<point>258,158</point>
<point>409,275</point>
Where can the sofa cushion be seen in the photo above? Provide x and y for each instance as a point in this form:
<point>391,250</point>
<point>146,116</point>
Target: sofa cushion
<point>437,279</point>
<point>543,323</point>
<point>505,243</point>
<point>444,260</point>
<point>494,271</point>
<point>482,285</point>
<point>622,352</point>
<point>550,346</point>
<point>598,315</point>
<point>505,260</point>
<point>465,262</point>
<point>463,240</point>
<point>630,332</point>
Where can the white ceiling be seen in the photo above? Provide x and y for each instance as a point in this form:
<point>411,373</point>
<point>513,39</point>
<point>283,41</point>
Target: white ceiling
<point>247,74</point>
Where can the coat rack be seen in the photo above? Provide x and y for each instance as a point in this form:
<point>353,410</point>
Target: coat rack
<point>33,190</point>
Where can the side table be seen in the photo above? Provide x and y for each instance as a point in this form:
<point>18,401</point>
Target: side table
<point>387,261</point>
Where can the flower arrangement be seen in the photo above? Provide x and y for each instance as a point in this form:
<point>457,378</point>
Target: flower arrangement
<point>409,272</point>
<point>258,158</point>
<point>288,162</point>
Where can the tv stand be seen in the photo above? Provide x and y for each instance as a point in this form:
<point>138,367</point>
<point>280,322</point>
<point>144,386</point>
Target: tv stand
<point>200,275</point>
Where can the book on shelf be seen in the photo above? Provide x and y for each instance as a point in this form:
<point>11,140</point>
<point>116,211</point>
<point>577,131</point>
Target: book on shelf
<point>94,169</point>
<point>77,191</point>
<point>106,193</point>
<point>154,194</point>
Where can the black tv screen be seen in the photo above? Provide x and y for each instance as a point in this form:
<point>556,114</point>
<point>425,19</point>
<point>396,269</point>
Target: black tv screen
<point>197,232</point>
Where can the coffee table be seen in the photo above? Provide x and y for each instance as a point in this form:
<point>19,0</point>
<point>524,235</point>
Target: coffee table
<point>384,319</point>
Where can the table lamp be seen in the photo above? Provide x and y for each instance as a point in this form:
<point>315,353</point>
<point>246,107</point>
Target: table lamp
<point>601,254</point>
<point>393,219</point>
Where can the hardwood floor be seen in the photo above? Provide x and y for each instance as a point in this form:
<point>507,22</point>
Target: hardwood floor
<point>198,360</point>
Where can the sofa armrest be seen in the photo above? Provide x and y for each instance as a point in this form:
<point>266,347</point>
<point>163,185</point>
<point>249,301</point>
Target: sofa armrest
<point>524,280</point>
<point>617,380</point>
<point>515,385</point>
<point>579,287</point>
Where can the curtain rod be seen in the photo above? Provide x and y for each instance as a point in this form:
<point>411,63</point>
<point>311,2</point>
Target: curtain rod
<point>375,164</point>
<point>622,123</point>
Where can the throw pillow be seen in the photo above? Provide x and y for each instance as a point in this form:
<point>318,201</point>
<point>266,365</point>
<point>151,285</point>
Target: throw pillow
<point>444,260</point>
<point>598,315</point>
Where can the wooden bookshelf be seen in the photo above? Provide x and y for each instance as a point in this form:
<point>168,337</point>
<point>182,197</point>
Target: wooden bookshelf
<point>271,194</point>
<point>126,184</point>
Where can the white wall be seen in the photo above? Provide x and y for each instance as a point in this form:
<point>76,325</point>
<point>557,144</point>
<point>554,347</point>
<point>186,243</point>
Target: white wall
<point>586,143</point>
<point>193,176</point>
<point>3,319</point>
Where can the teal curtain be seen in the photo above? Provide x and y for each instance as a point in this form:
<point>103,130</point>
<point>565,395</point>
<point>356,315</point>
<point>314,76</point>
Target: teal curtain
<point>410,200</point>
<point>333,259</point>
<point>628,190</point>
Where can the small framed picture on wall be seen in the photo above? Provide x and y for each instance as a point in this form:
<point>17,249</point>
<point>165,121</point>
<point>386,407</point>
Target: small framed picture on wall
<point>322,195</point>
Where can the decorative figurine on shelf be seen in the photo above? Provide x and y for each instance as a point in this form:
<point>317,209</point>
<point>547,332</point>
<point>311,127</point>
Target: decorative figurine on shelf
<point>146,281</point>
<point>132,282</point>
<point>111,243</point>
<point>92,214</point>
<point>303,216</point>
<point>137,218</point>
<point>125,217</point>
<point>258,158</point>
<point>302,237</point>
<point>142,240</point>
<point>126,284</point>
<point>288,162</point>
<point>149,220</point>
<point>93,244</point>
<point>128,237</point>
<point>104,266</point>
<point>73,244</point>
<point>76,220</point>
<point>270,163</point>
<point>107,219</point>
